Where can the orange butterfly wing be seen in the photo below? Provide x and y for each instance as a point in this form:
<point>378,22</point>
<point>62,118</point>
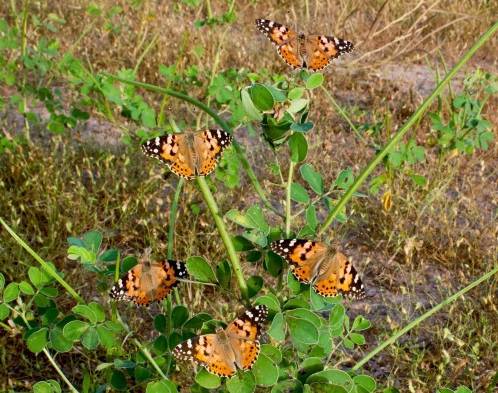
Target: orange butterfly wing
<point>209,146</point>
<point>284,38</point>
<point>207,352</point>
<point>322,49</point>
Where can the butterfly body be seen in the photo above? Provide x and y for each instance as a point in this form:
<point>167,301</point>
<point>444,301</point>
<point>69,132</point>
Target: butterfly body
<point>312,52</point>
<point>224,352</point>
<point>331,273</point>
<point>189,154</point>
<point>149,281</point>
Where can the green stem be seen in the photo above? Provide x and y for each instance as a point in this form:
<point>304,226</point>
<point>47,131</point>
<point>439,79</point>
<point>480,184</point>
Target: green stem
<point>222,123</point>
<point>209,10</point>
<point>48,269</point>
<point>288,215</point>
<point>232,254</point>
<point>149,357</point>
<point>59,371</point>
<point>24,46</point>
<point>173,210</point>
<point>403,130</point>
<point>343,114</point>
<point>172,217</point>
<point>423,317</point>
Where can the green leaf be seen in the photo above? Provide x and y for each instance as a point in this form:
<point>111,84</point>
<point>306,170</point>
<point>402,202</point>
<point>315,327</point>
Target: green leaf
<point>297,105</point>
<point>287,386</point>
<point>59,342</point>
<point>273,264</point>
<point>293,284</point>
<point>98,311</point>
<point>261,97</point>
<point>265,372</point>
<point>299,147</point>
<point>107,337</point>
<point>200,269</point>
<point>365,382</point>
<point>85,311</point>
<point>313,178</point>
<point>160,323</point>
<point>302,331</point>
<point>305,314</point>
<point>161,387</point>
<point>302,127</point>
<point>2,281</point>
<point>224,274</point>
<point>38,340</point>
<point>336,377</point>
<point>242,244</point>
<point>277,327</point>
<point>254,285</point>
<point>311,218</point>
<point>299,193</point>
<point>295,93</point>
<point>240,219</point>
<point>249,108</point>
<point>255,214</point>
<point>74,329</point>
<point>357,338</point>
<point>278,94</point>
<point>361,323</point>
<point>270,300</point>
<point>314,81</point>
<point>11,292</point>
<point>272,352</point>
<point>50,386</point>
<point>241,383</point>
<point>26,288</point>
<point>160,345</point>
<point>4,311</point>
<point>118,380</point>
<point>419,180</point>
<point>345,179</point>
<point>92,240</point>
<point>90,338</point>
<point>207,380</point>
<point>179,315</point>
<point>85,256</point>
<point>197,321</point>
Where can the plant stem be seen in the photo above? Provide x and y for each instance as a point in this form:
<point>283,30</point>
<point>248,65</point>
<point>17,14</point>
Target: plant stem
<point>343,114</point>
<point>423,317</point>
<point>209,10</point>
<point>288,215</point>
<point>403,130</point>
<point>232,254</point>
<point>144,53</point>
<point>48,269</point>
<point>59,371</point>
<point>149,357</point>
<point>222,123</point>
<point>173,210</point>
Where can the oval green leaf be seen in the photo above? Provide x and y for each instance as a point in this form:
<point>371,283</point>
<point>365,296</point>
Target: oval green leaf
<point>299,193</point>
<point>74,329</point>
<point>207,380</point>
<point>200,269</point>
<point>314,81</point>
<point>241,383</point>
<point>299,147</point>
<point>261,97</point>
<point>37,340</point>
<point>265,372</point>
<point>302,331</point>
<point>11,292</point>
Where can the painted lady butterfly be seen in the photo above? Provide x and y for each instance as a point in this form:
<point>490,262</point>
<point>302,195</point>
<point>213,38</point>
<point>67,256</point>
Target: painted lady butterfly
<point>313,52</point>
<point>313,262</point>
<point>190,154</point>
<point>148,282</point>
<point>223,352</point>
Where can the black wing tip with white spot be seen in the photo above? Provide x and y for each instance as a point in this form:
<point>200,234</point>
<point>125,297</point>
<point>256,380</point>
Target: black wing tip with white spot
<point>179,267</point>
<point>118,291</point>
<point>152,147</point>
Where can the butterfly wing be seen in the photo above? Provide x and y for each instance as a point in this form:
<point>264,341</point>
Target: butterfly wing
<point>321,49</point>
<point>209,146</point>
<point>174,151</point>
<point>338,276</point>
<point>207,351</point>
<point>143,285</point>
<point>164,277</point>
<point>244,333</point>
<point>303,256</point>
<point>284,38</point>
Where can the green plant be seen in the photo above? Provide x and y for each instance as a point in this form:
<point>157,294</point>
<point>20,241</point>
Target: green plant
<point>307,332</point>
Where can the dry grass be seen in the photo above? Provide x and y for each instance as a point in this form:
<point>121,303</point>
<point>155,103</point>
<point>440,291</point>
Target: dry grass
<point>433,241</point>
